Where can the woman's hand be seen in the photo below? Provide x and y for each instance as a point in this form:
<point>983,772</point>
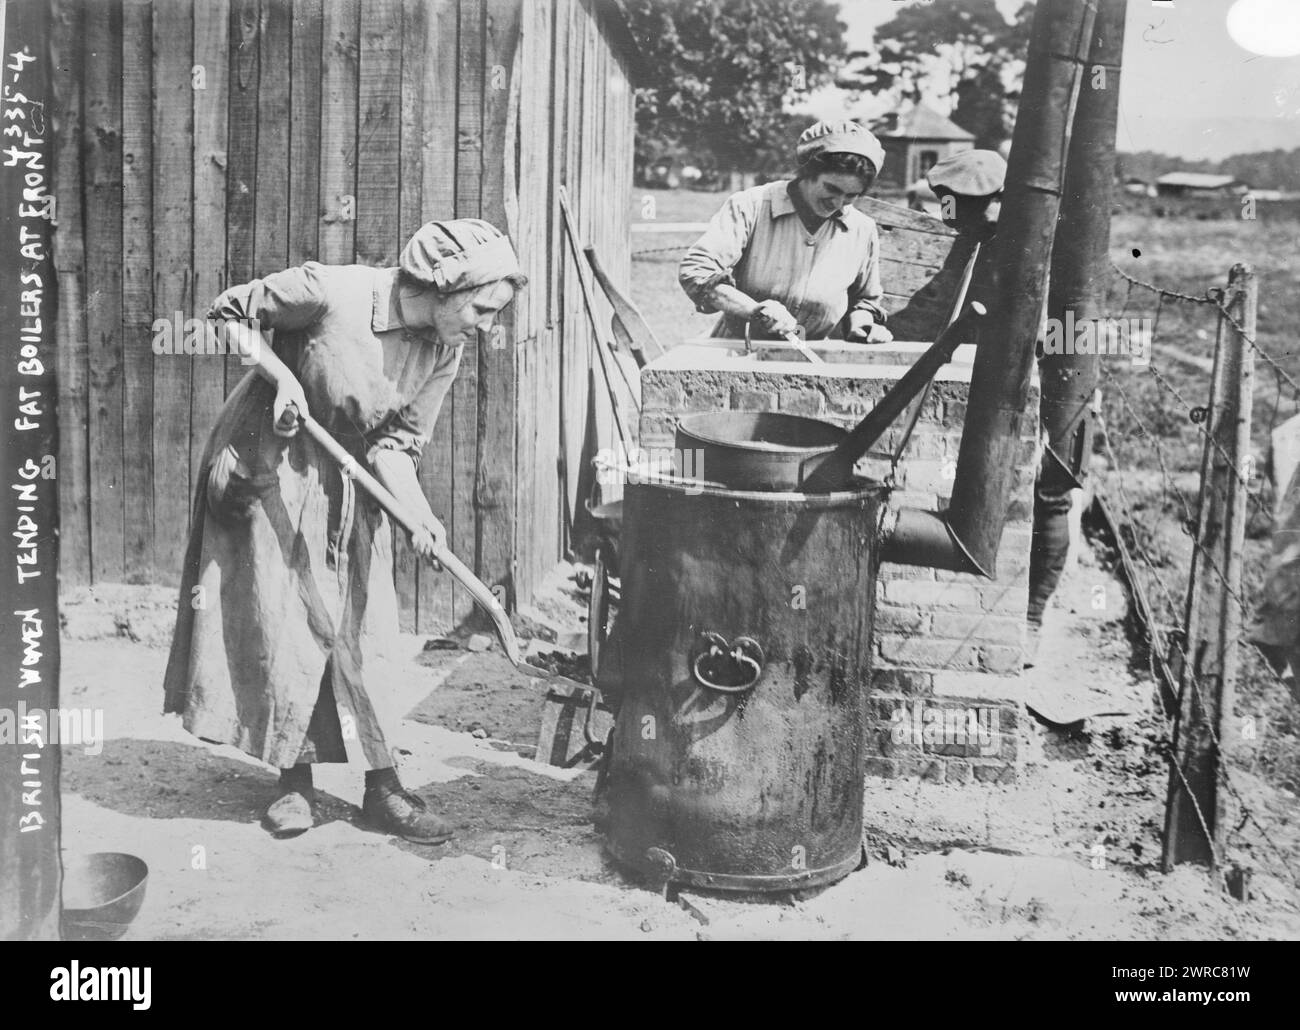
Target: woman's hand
<point>396,471</point>
<point>775,317</point>
<point>290,402</point>
<point>428,539</point>
<point>863,328</point>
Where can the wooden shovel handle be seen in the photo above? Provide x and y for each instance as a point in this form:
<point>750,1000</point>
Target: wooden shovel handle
<point>479,590</point>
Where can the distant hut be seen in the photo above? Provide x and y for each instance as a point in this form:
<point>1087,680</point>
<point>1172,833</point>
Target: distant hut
<point>914,141</point>
<point>1199,184</point>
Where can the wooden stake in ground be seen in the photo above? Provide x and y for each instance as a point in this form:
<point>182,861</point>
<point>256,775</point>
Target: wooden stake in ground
<point>1195,817</point>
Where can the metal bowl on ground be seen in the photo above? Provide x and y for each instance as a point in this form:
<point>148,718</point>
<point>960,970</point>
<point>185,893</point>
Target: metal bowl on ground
<point>102,894</point>
<point>756,450</point>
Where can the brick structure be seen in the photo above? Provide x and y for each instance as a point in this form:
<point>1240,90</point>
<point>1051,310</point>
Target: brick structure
<point>945,701</point>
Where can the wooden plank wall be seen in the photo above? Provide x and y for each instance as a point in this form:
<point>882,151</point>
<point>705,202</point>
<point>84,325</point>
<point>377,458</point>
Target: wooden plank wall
<point>67,29</point>
<point>438,198</point>
<point>575,129</point>
<point>206,142</point>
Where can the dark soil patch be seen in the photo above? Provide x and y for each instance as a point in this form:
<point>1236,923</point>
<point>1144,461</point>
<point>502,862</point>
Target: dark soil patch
<point>520,820</point>
<point>487,697</point>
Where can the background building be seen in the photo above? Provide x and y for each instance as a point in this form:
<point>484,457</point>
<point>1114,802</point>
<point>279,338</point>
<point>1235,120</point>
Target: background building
<point>914,141</point>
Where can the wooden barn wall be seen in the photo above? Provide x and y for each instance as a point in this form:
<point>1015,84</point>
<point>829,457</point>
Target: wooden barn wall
<point>202,143</point>
<point>574,129</point>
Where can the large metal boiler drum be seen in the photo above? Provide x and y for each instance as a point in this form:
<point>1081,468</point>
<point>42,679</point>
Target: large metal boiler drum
<point>743,650</point>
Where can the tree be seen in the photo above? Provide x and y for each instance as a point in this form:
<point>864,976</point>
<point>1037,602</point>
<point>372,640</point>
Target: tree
<point>722,73</point>
<point>1264,169</point>
<point>980,67</point>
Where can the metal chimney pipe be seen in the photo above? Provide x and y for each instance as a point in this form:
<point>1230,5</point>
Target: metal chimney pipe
<point>1076,296</point>
<point>1079,271</point>
<point>965,538</point>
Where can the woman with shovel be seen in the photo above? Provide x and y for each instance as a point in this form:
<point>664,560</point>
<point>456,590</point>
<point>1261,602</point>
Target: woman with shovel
<point>287,602</point>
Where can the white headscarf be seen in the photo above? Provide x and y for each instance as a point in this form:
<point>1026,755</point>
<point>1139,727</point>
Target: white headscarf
<point>459,255</point>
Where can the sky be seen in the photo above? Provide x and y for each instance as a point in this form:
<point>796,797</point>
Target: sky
<point>1188,87</point>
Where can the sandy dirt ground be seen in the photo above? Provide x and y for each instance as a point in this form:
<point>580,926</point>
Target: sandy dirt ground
<point>1071,852</point>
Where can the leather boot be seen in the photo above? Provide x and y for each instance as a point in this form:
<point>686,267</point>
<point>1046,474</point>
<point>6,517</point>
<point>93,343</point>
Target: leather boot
<point>388,807</point>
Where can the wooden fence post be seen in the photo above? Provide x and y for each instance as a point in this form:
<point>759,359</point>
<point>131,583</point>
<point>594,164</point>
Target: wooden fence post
<point>1195,817</point>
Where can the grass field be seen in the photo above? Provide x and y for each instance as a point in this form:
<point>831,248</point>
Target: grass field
<point>1150,456</point>
<point>654,261</point>
<point>1157,448</point>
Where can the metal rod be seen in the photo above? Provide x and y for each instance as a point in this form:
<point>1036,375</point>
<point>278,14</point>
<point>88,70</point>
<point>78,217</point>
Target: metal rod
<point>914,412</point>
<point>833,471</point>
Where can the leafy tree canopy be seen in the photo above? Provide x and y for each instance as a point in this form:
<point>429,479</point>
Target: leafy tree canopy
<point>722,73</point>
<point>979,68</point>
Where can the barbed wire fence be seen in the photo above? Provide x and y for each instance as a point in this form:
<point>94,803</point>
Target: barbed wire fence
<point>1137,407</point>
<point>679,248</point>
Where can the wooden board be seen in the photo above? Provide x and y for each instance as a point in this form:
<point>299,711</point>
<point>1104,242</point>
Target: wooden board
<point>305,132</point>
<point>137,286</point>
<point>242,166</point>
<point>561,301</point>
<point>527,229</point>
<point>572,379</point>
<point>905,279</point>
<point>595,186</point>
<point>920,300</point>
<point>405,561</point>
<point>102,206</point>
<point>558,122</point>
<point>887,215</point>
<point>338,133</point>
<point>585,390</point>
<point>173,225</point>
<point>907,246</point>
<point>550,458</point>
<point>379,150</point>
<point>494,480</point>
<point>567,721</point>
<point>66,33</point>
<point>544,516</point>
<point>464,392</point>
<point>379,132</point>
<point>207,380</point>
<point>1284,440</point>
<point>271,207</point>
<point>438,201</point>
